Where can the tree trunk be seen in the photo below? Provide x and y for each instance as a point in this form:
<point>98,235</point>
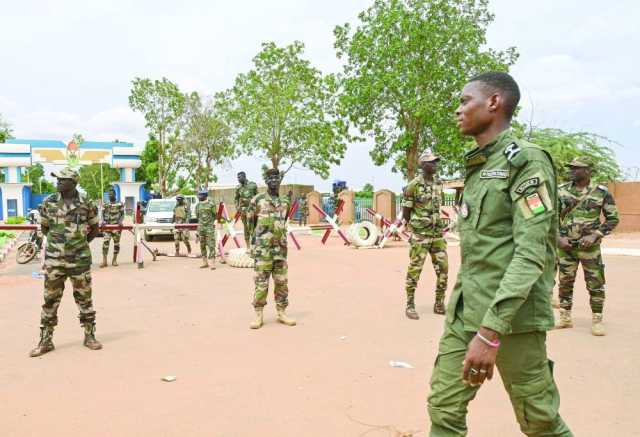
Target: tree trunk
<point>412,160</point>
<point>161,169</point>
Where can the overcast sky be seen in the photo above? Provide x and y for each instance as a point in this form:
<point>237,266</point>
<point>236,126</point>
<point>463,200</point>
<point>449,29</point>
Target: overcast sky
<point>67,65</point>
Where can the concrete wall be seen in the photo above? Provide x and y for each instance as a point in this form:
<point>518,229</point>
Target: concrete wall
<point>627,196</point>
<point>384,203</point>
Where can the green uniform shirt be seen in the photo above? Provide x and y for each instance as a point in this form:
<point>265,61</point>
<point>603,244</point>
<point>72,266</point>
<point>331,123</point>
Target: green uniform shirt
<point>206,214</point>
<point>271,228</point>
<point>580,211</point>
<point>508,227</point>
<point>425,198</point>
<point>113,213</point>
<point>244,194</point>
<point>181,213</point>
<point>67,245</point>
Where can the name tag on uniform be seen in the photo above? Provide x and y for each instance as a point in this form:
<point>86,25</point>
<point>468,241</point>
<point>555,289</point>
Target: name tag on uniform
<point>531,182</point>
<point>494,174</point>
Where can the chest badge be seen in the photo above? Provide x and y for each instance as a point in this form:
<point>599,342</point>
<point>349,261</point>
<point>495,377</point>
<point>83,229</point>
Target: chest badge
<point>464,210</point>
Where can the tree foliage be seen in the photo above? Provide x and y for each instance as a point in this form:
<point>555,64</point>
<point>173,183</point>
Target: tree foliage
<point>284,110</point>
<point>35,176</point>
<point>93,181</point>
<point>205,143</point>
<point>564,146</point>
<point>406,63</point>
<point>5,130</point>
<point>163,106</point>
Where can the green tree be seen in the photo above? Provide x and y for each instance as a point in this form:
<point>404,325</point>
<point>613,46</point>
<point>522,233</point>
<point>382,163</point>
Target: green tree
<point>93,179</point>
<point>148,171</point>
<point>406,63</point>
<point>35,176</point>
<point>564,146</point>
<point>163,106</point>
<point>284,110</point>
<point>206,141</point>
<point>5,130</point>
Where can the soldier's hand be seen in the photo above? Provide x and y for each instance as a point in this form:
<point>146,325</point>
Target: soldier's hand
<point>563,243</point>
<point>480,359</point>
<point>589,240</point>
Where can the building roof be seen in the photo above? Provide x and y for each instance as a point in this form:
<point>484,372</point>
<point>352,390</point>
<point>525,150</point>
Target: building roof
<point>56,144</point>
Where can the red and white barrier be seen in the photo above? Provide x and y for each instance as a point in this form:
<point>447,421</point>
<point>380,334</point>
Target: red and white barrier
<point>333,222</point>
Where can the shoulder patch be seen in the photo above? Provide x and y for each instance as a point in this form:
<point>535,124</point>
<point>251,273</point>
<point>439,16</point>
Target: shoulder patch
<point>494,174</point>
<point>528,183</point>
<point>511,150</point>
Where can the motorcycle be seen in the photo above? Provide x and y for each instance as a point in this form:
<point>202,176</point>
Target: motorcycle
<point>31,248</point>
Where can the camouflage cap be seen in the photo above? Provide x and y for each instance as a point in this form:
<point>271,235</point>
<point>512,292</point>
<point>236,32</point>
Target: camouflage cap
<point>581,161</point>
<point>271,172</point>
<point>66,173</point>
<point>428,157</point>
<point>203,192</point>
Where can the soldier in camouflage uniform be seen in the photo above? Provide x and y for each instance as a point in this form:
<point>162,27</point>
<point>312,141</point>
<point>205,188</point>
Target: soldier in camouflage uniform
<point>581,231</point>
<point>69,220</point>
<point>181,214</point>
<point>245,191</point>
<point>303,205</point>
<point>206,215</point>
<point>112,214</point>
<point>268,212</point>
<point>421,209</point>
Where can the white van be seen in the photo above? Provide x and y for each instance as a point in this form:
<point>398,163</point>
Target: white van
<point>159,211</point>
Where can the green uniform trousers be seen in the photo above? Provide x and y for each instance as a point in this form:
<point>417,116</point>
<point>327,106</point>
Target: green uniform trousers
<point>108,236</point>
<point>207,243</point>
<point>247,227</point>
<point>264,269</point>
<point>54,279</point>
<point>437,248</point>
<point>526,374</point>
<point>593,267</point>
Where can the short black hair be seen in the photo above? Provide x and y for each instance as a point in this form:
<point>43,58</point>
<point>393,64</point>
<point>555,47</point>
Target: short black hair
<point>499,81</point>
<point>241,172</point>
<point>272,172</point>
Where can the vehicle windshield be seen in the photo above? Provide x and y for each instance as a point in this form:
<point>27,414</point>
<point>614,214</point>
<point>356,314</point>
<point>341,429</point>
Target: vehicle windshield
<point>161,206</point>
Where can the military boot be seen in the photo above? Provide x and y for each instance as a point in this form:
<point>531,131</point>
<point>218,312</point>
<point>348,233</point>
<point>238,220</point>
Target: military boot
<point>284,319</point>
<point>46,343</point>
<point>205,264</point>
<point>213,263</point>
<point>90,337</point>
<point>177,251</point>
<point>188,248</point>
<point>258,322</point>
<point>438,306</point>
<point>114,261</point>
<point>565,319</point>
<point>104,261</point>
<point>597,327</point>
<point>411,309</point>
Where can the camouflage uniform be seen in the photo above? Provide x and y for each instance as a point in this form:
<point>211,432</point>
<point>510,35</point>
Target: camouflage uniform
<point>206,214</point>
<point>427,226</point>
<point>303,204</point>
<point>270,248</point>
<point>244,194</point>
<point>181,214</point>
<point>580,216</point>
<point>67,255</point>
<point>112,214</point>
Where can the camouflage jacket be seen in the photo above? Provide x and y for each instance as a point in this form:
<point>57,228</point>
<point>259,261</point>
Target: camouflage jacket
<point>425,199</point>
<point>181,213</point>
<point>580,211</point>
<point>271,227</point>
<point>67,245</point>
<point>113,213</point>
<point>244,194</point>
<point>206,214</point>
<point>303,206</point>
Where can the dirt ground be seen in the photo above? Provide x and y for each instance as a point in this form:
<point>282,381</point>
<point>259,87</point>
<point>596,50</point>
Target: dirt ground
<point>328,376</point>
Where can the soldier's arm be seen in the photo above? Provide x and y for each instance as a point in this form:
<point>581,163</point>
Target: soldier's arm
<point>408,199</point>
<point>611,216</point>
<point>92,221</point>
<point>44,219</point>
<point>237,197</point>
<point>121,216</point>
<point>533,195</point>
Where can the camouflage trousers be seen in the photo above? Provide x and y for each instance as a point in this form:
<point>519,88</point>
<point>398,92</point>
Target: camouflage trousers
<point>593,267</point>
<point>265,268</point>
<point>420,248</point>
<point>303,218</point>
<point>54,279</point>
<point>207,243</point>
<point>181,235</point>
<point>108,236</point>
<point>247,226</point>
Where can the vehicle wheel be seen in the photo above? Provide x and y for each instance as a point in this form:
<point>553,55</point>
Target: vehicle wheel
<point>240,258</point>
<point>26,252</point>
<point>363,234</point>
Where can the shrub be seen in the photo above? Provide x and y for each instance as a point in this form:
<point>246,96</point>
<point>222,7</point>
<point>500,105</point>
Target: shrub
<point>17,220</point>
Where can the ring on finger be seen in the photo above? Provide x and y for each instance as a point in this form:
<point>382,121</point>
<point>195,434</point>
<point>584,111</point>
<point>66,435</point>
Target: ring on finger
<point>474,371</point>
<point>483,370</point>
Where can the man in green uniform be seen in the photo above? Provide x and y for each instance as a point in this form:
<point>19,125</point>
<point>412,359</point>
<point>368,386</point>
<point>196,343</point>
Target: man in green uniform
<point>245,191</point>
<point>303,206</point>
<point>268,212</point>
<point>112,214</point>
<point>181,214</point>
<point>206,215</point>
<point>499,311</point>
<point>69,220</point>
<point>421,209</point>
<point>581,231</point>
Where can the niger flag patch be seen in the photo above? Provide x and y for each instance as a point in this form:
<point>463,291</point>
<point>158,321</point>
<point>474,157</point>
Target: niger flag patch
<point>535,204</point>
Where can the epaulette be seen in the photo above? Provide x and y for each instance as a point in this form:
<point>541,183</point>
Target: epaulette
<point>603,188</point>
<point>520,152</point>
